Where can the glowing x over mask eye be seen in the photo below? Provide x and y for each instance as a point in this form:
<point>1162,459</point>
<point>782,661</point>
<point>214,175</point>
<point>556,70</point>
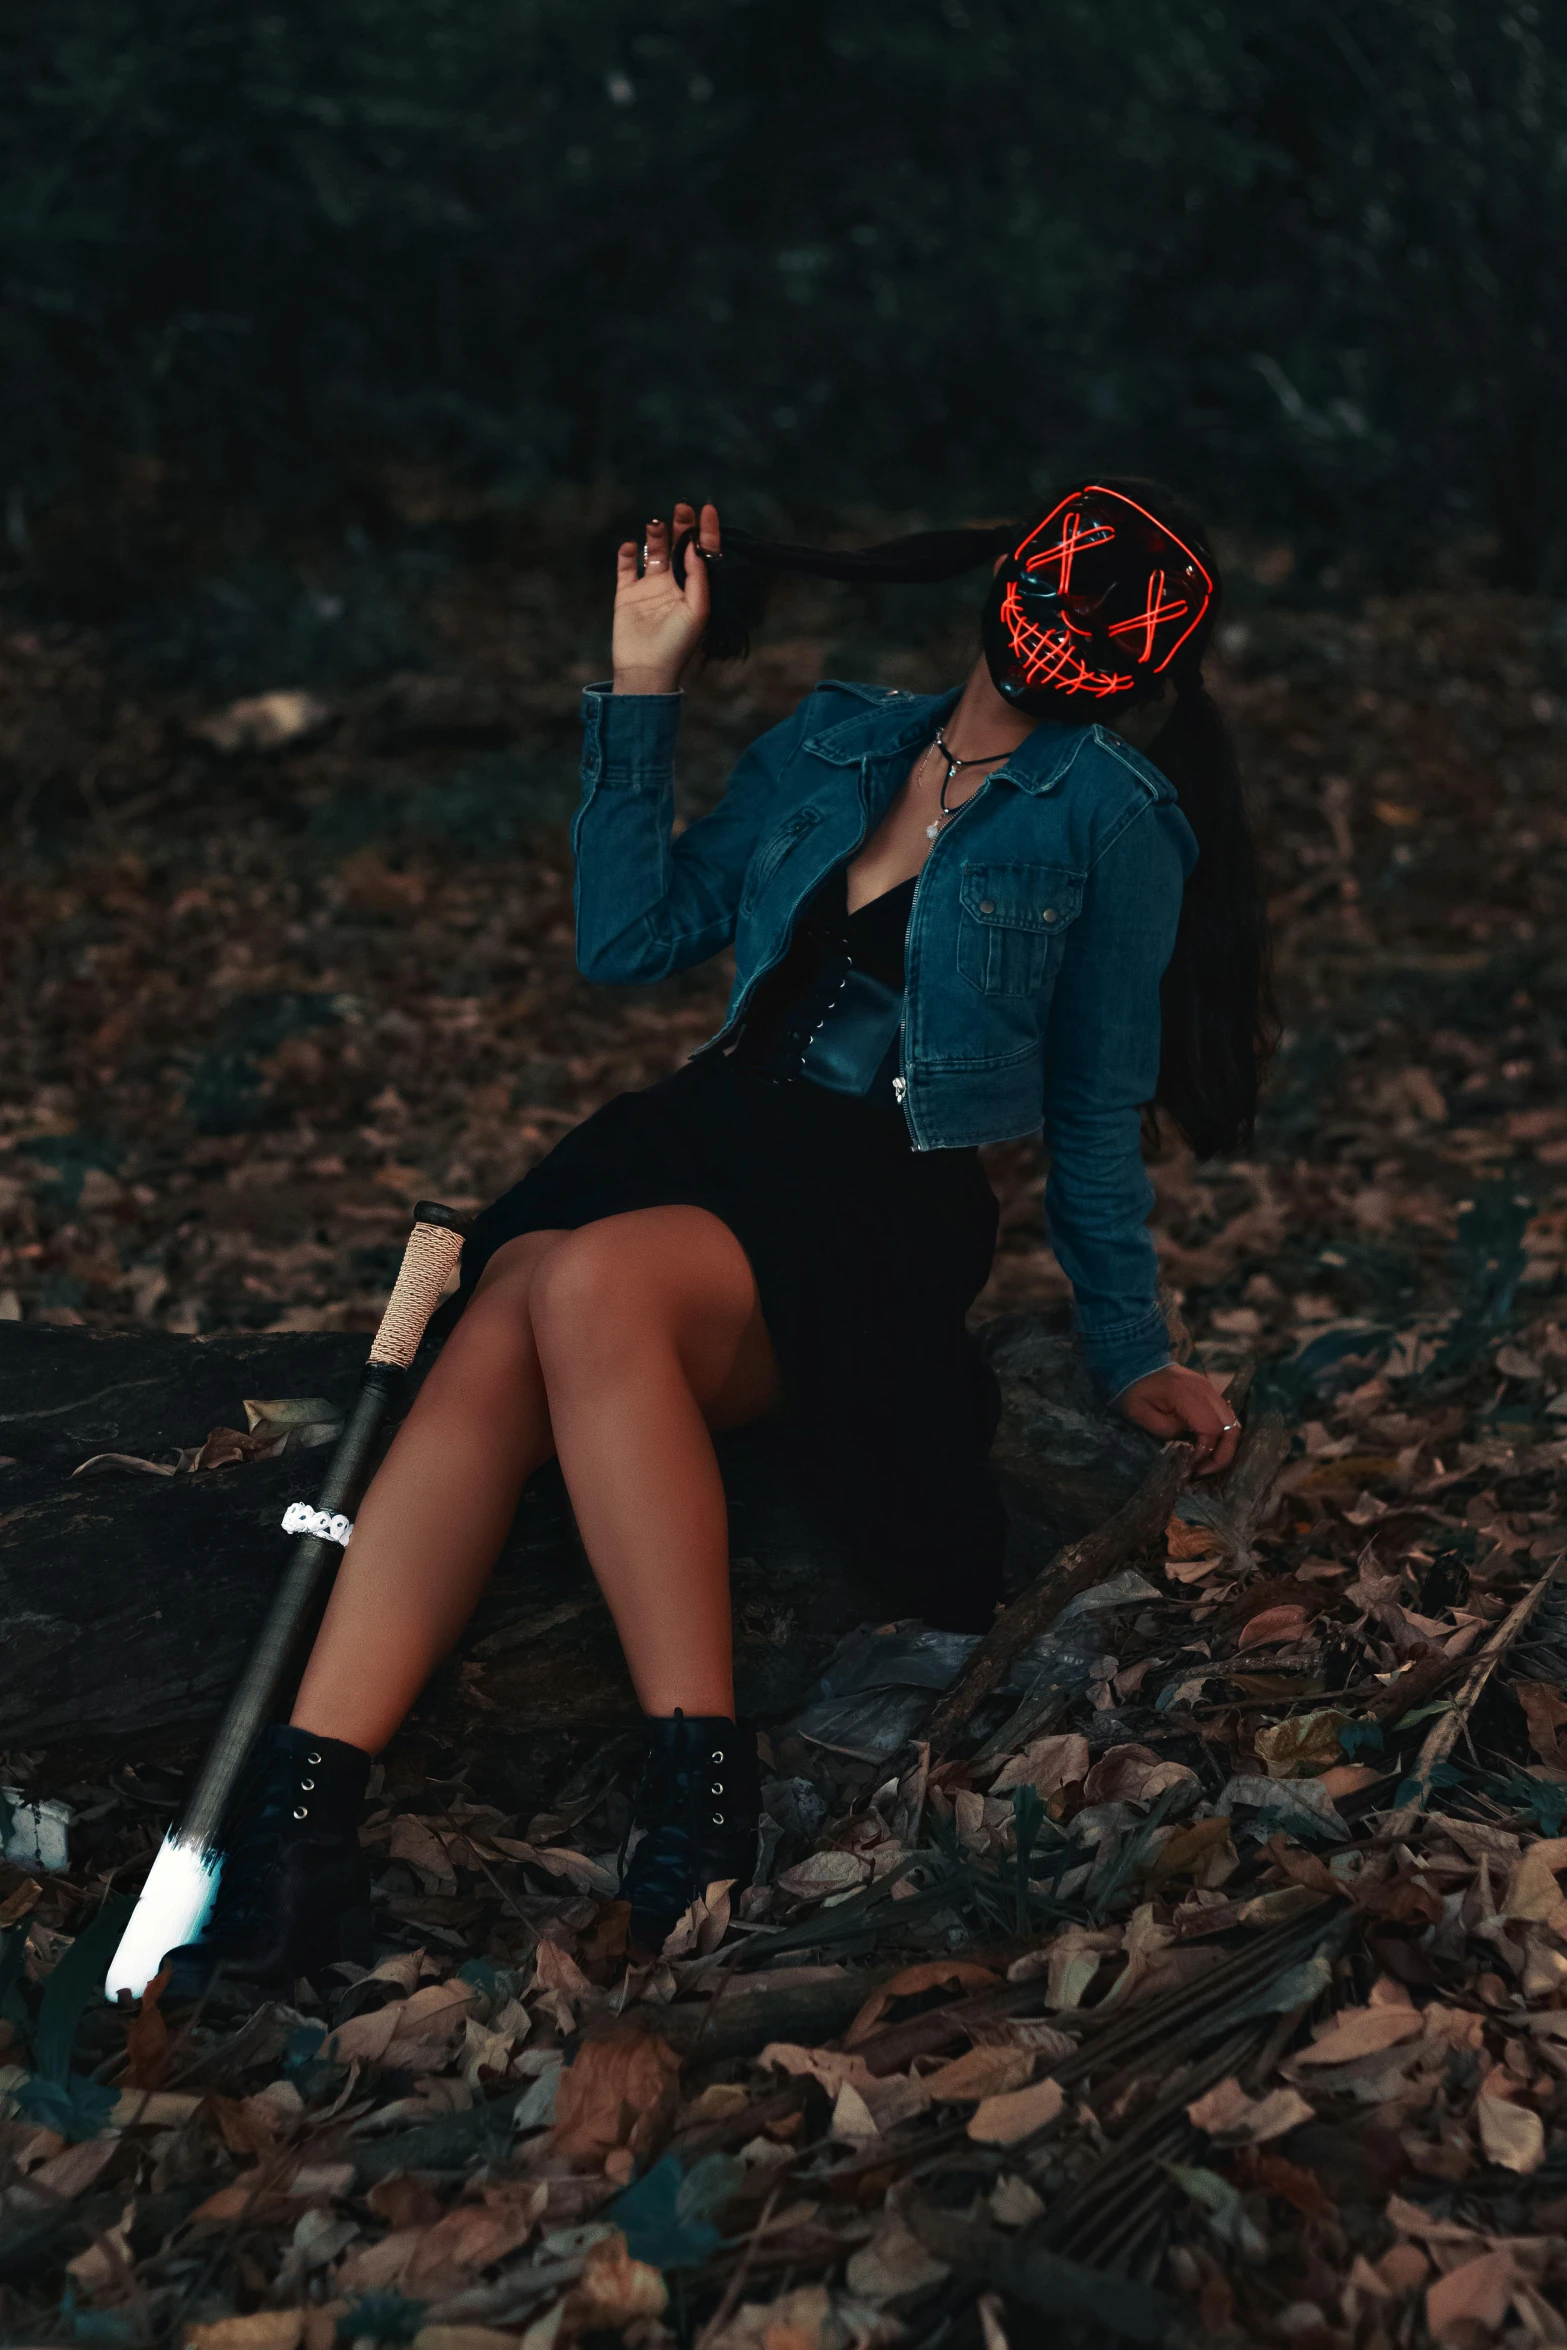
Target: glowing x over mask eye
<point>1092,605</point>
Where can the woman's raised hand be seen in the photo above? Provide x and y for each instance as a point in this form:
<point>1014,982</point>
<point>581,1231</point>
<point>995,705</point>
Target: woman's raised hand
<point>658,623</point>
<point>1178,1402</point>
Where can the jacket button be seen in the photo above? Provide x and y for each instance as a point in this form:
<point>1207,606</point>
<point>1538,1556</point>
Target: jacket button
<point>987,905</point>
<point>1049,914</point>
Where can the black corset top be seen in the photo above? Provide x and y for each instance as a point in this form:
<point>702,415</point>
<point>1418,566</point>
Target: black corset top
<point>832,1010</point>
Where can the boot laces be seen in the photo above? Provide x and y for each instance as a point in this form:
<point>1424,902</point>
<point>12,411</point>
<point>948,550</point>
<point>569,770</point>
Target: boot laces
<point>275,1800</point>
<point>681,1800</point>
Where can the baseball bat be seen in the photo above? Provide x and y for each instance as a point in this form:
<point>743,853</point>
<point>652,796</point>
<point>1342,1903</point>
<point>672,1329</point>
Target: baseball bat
<point>184,1875</point>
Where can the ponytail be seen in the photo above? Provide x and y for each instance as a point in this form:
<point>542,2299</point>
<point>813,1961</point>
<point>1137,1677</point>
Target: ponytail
<point>739,578</point>
<point>1218,1025</point>
<point>1218,1020</point>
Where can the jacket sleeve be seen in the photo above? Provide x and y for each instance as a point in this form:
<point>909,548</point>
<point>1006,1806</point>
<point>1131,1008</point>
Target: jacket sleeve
<point>647,903</point>
<point>1102,1067</point>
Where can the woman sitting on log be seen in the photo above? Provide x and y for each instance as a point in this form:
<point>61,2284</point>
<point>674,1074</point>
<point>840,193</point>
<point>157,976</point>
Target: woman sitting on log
<point>955,916</point>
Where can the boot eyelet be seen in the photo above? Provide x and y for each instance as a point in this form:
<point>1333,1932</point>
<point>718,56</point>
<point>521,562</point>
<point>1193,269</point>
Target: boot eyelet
<point>312,1758</point>
<point>718,1819</point>
<point>307,1786</point>
<point>302,1813</point>
<point>717,1755</point>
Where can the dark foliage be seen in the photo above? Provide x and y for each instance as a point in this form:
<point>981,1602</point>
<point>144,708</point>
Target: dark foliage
<point>278,263</point>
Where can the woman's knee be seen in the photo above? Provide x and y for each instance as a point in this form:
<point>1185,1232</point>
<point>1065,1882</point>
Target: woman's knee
<point>491,1339</point>
<point>584,1294</point>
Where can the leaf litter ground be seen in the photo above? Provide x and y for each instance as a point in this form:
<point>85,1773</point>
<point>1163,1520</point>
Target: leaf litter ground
<point>1222,1986</point>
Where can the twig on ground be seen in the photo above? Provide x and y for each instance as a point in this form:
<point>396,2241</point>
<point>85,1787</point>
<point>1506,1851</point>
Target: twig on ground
<point>1444,1733</point>
<point>737,2283</point>
<point>1078,1566</point>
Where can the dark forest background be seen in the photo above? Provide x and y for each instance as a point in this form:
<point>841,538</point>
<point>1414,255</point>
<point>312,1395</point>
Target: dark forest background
<point>282,276</point>
<point>338,345</point>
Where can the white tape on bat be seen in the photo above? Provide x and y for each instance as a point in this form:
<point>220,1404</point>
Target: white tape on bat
<point>326,1525</point>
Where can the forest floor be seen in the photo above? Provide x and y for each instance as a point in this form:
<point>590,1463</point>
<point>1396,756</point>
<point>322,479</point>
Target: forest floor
<point>1243,1976</point>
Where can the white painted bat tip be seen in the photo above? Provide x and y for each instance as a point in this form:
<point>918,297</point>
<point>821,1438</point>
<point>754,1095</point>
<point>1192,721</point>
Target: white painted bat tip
<point>172,1908</point>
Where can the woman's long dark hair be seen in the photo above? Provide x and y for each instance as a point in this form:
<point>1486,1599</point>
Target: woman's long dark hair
<point>1218,1024</point>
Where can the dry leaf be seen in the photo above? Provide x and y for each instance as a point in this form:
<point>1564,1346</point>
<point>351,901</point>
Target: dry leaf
<point>1362,2031</point>
<point>980,2072</point>
<point>417,1843</point>
<point>832,2067</point>
<point>1303,1745</point>
<point>1133,1774</point>
<point>264,2329</point>
<point>703,1926</point>
<point>1201,1849</point>
<point>1512,2135</point>
<point>1273,1627</point>
<point>427,2023</point>
<point>621,2091</point>
<point>1534,1892</point>
<point>1075,1957</point>
<point>894,2262</point>
<point>1046,1764</point>
<point>852,2119</point>
<point>147,2038</point>
<point>1190,1542</point>
<point>365,2038</point>
<point>1347,1779</point>
<point>475,2236</point>
<point>929,1975</point>
<point>554,1969</point>
<point>107,2259</point>
<point>824,1873</point>
<point>1476,2294</point>
<point>69,2173</point>
<point>614,2290</point>
<point>1002,2121</point>
<point>1545,1710</point>
<point>261,722</point>
<point>1231,2118</point>
<point>153,2109</point>
<point>1014,2203</point>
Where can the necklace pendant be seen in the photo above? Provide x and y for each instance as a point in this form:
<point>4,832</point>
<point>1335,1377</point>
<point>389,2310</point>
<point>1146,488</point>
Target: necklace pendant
<point>931,830</point>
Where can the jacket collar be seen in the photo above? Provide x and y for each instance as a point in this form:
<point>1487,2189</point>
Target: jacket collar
<point>896,722</point>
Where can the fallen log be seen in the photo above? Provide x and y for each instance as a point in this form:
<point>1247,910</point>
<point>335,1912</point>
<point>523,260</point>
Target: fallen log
<point>129,1599</point>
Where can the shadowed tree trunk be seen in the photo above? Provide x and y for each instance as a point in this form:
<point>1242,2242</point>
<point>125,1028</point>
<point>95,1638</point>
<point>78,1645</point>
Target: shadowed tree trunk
<point>129,1599</point>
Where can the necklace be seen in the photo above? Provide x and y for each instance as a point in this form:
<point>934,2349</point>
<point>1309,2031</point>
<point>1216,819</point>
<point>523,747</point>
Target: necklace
<point>944,814</point>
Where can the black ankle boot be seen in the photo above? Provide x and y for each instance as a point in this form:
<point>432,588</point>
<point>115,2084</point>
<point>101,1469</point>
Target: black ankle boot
<point>698,1800</point>
<point>294,1893</point>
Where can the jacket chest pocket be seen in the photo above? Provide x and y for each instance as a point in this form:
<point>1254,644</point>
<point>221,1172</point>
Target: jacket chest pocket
<point>771,851</point>
<point>1012,920</point>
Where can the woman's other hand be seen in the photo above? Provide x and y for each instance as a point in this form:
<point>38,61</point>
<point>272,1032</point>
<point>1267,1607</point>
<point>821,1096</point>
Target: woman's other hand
<point>1176,1402</point>
<point>659,624</point>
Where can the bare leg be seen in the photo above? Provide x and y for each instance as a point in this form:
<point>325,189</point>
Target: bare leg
<point>430,1527</point>
<point>649,1333</point>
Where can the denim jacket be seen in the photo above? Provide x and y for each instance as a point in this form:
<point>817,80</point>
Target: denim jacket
<point>1042,922</point>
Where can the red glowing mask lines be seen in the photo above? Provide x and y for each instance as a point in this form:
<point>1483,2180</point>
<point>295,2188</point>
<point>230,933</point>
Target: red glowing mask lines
<point>1124,589</point>
<point>1050,659</point>
<point>1097,490</point>
<point>1155,610</point>
<point>1074,537</point>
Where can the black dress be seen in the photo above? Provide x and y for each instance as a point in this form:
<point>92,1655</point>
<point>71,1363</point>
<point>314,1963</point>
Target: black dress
<point>866,1253</point>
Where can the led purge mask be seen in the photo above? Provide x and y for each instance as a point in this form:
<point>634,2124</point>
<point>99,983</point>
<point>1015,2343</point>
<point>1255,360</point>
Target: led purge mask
<point>1092,606</point>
